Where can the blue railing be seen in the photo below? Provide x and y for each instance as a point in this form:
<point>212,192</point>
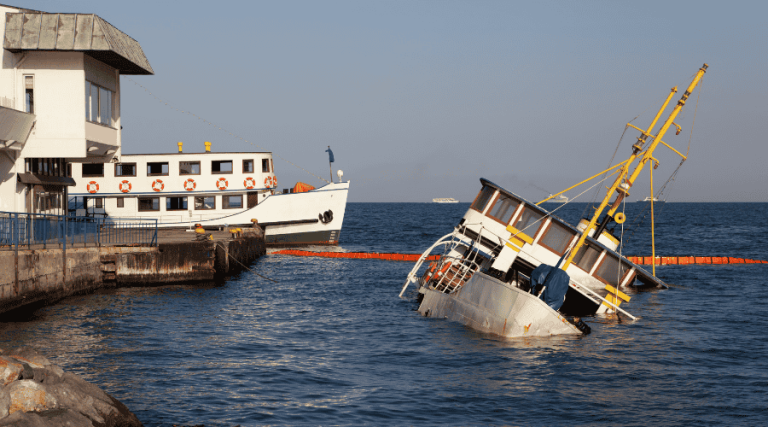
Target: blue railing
<point>28,230</point>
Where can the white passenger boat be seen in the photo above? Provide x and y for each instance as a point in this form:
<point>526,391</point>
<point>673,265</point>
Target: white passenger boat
<point>444,200</point>
<point>651,199</point>
<point>215,190</point>
<point>558,199</point>
<point>514,269</point>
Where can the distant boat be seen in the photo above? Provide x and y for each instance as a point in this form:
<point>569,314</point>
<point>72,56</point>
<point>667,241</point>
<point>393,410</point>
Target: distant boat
<point>649,198</point>
<point>444,200</point>
<point>558,199</point>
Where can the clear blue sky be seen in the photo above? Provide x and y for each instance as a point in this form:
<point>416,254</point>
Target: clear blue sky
<point>419,99</point>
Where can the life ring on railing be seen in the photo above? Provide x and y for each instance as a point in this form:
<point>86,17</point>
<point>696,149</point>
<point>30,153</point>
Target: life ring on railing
<point>274,181</point>
<point>190,184</point>
<point>268,182</point>
<point>93,187</point>
<point>125,186</point>
<point>158,185</point>
<point>249,183</point>
<point>620,218</point>
<point>222,183</point>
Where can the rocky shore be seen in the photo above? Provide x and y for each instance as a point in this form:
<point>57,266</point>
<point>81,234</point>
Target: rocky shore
<point>38,393</point>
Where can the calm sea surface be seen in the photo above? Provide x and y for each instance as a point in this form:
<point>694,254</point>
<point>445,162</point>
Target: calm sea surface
<point>332,344</point>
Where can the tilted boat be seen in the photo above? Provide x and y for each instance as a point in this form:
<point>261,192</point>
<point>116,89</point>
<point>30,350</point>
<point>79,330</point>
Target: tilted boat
<point>514,269</point>
<point>214,190</point>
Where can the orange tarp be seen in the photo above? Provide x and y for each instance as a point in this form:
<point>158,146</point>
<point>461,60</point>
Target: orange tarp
<point>301,187</point>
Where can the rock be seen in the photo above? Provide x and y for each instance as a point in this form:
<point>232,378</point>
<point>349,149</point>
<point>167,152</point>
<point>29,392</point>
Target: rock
<point>35,392</point>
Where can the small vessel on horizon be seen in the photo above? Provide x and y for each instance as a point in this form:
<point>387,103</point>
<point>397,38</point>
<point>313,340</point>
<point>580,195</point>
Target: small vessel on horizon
<point>444,200</point>
<point>512,268</point>
<point>651,199</point>
<point>559,199</point>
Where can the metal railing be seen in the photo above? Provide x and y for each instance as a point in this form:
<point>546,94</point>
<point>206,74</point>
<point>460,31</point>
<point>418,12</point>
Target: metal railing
<point>43,230</point>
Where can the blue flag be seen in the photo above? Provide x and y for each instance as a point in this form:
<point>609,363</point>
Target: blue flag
<point>330,154</point>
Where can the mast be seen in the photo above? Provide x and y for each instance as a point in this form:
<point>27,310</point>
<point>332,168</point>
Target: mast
<point>623,183</point>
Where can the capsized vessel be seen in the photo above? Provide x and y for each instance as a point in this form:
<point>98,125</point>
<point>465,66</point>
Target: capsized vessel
<point>514,269</point>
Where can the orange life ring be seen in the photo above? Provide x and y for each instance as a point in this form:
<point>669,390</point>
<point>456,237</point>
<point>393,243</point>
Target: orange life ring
<point>125,186</point>
<point>274,181</point>
<point>268,182</point>
<point>222,183</point>
<point>158,185</point>
<point>249,183</point>
<point>93,187</point>
<point>190,184</point>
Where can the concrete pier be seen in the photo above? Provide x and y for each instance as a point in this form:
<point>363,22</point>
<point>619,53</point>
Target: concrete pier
<point>44,276</point>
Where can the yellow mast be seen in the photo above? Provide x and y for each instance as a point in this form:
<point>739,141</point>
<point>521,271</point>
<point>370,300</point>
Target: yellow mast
<point>622,184</point>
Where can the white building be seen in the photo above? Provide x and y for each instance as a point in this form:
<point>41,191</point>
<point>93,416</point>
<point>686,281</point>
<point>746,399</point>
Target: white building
<point>59,102</point>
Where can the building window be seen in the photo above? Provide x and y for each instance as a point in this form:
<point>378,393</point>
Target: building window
<point>247,166</point>
<point>205,202</point>
<point>232,202</point>
<point>149,204</point>
<point>121,202</point>
<point>125,169</point>
<point>98,104</point>
<point>29,94</point>
<point>221,166</point>
<point>189,168</point>
<point>157,168</point>
<point>175,203</point>
<point>93,169</point>
<point>265,165</point>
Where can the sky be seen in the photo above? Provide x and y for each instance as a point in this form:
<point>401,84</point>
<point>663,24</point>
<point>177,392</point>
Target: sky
<point>420,99</point>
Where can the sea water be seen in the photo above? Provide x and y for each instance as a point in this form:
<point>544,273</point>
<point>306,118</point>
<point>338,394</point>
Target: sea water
<point>332,344</point>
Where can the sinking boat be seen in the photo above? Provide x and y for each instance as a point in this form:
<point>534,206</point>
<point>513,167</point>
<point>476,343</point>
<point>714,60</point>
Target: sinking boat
<point>514,269</point>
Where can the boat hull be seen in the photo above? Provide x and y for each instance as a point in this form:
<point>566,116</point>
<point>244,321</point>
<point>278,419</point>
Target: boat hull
<point>489,305</point>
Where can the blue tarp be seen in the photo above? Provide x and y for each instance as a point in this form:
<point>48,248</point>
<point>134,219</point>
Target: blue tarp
<point>556,281</point>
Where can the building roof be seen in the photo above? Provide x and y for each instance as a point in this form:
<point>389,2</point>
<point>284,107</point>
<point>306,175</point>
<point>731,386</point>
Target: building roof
<point>75,32</point>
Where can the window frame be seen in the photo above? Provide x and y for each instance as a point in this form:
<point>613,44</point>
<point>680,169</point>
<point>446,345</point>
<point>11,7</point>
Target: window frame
<point>204,197</point>
<point>585,247</point>
<point>519,216</point>
<point>472,206</point>
<point>158,163</point>
<point>120,202</point>
<point>29,93</point>
<point>253,169</point>
<point>84,175</point>
<point>139,208</point>
<point>231,167</point>
<point>265,166</point>
<point>199,168</point>
<point>552,224</point>
<point>168,200</point>
<point>621,279</point>
<point>496,200</point>
<point>92,116</point>
<point>135,169</point>
<point>225,201</point>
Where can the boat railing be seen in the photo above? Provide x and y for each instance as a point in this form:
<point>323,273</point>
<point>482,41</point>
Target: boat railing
<point>44,231</point>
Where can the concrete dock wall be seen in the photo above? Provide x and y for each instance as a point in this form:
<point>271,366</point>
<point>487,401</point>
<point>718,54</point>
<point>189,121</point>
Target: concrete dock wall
<point>40,276</point>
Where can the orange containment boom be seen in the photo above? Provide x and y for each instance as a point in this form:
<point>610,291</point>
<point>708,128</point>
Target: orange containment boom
<point>691,260</point>
<point>356,255</point>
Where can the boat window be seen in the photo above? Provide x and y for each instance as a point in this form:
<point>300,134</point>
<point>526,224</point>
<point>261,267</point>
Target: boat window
<point>265,165</point>
<point>125,169</point>
<point>121,202</point>
<point>586,257</point>
<point>189,168</point>
<point>175,203</point>
<point>611,270</point>
<point>149,204</point>
<point>248,166</point>
<point>232,202</point>
<point>98,203</point>
<point>503,209</point>
<point>205,202</point>
<point>221,166</point>
<point>157,168</point>
<point>482,198</point>
<point>93,169</point>
<point>529,221</point>
<point>557,237</point>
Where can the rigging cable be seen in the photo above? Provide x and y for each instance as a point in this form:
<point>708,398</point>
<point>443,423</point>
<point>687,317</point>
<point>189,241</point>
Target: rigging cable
<point>220,128</point>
